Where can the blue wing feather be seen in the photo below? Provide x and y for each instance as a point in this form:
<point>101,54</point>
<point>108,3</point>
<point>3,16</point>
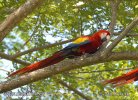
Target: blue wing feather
<point>74,45</point>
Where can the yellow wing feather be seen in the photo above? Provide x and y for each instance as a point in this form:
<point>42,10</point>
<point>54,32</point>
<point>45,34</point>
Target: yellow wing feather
<point>79,40</point>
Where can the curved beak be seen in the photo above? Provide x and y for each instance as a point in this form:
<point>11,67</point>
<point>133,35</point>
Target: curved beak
<point>108,37</point>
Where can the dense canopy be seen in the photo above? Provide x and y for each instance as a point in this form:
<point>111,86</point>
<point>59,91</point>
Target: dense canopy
<point>31,30</point>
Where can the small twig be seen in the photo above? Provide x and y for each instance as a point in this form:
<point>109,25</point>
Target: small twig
<point>73,89</point>
<point>99,71</point>
<point>80,21</point>
<point>29,38</point>
<point>35,30</point>
<point>4,69</point>
<point>18,51</point>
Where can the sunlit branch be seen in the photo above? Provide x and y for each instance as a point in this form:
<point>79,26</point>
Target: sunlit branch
<point>66,65</point>
<point>107,50</point>
<point>9,57</point>
<point>40,48</point>
<point>18,15</point>
<point>3,69</point>
<point>55,44</point>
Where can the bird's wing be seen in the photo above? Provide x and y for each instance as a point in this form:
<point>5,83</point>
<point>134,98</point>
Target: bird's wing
<point>78,42</point>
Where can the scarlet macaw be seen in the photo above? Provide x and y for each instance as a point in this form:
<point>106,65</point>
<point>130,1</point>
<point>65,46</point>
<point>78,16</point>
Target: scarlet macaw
<point>124,79</point>
<point>84,44</point>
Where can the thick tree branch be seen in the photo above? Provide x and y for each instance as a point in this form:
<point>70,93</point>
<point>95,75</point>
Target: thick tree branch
<point>59,81</point>
<point>107,50</point>
<point>13,19</point>
<point>63,66</point>
<point>73,89</point>
<point>40,48</point>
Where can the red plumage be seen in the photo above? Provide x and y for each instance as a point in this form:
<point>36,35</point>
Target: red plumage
<point>124,79</point>
<point>43,63</point>
<point>84,44</point>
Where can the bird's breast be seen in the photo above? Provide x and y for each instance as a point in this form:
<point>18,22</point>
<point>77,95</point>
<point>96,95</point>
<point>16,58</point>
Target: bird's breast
<point>91,47</point>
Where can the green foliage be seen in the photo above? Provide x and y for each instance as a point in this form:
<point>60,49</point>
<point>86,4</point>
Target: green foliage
<point>63,19</point>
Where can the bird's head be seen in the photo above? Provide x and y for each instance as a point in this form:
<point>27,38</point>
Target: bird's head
<point>104,35</point>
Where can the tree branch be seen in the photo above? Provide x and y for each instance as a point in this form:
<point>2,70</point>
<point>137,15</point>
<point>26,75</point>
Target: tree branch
<point>73,89</point>
<point>63,66</point>
<point>55,44</point>
<point>128,35</point>
<point>99,71</point>
<point>8,57</point>
<point>34,31</point>
<point>4,69</point>
<point>59,81</point>
<point>40,48</point>
<point>114,6</point>
<point>13,19</point>
<point>107,50</point>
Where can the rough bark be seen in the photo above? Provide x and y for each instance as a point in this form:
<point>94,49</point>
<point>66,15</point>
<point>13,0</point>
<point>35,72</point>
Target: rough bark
<point>18,15</point>
<point>63,66</point>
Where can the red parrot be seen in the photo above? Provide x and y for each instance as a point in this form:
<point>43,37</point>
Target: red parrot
<point>85,44</point>
<point>129,77</point>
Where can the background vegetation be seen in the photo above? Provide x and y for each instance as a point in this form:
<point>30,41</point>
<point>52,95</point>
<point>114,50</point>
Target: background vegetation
<point>56,21</point>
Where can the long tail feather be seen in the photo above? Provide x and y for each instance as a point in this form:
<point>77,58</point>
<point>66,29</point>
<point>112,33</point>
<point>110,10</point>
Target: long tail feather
<point>57,57</point>
<point>124,79</point>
